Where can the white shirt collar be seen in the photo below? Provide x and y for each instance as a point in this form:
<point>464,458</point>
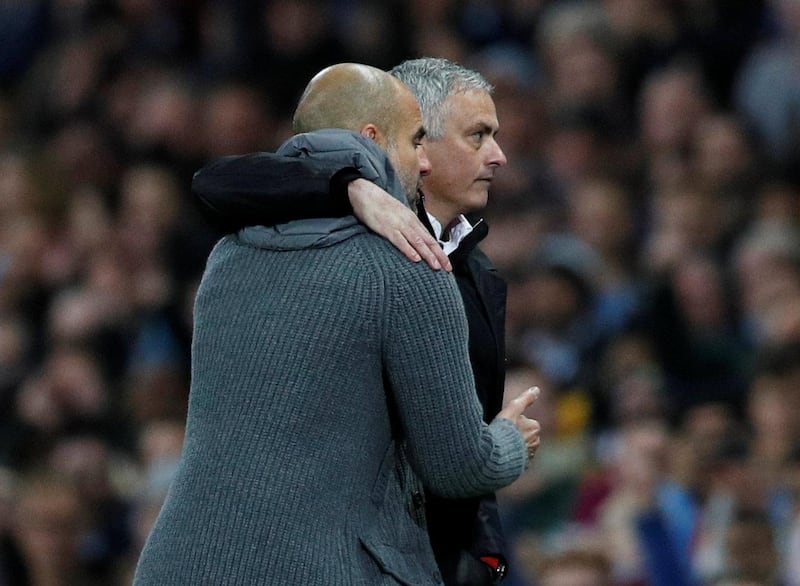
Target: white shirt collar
<point>458,231</point>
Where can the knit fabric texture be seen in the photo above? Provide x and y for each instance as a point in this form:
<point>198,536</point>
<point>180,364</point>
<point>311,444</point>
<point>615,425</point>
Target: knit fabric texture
<point>328,383</point>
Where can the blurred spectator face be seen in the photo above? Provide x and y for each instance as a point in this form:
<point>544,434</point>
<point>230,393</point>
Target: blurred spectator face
<point>513,235</point>
<point>18,191</point>
<point>601,216</point>
<point>295,27</point>
<point>700,294</point>
<point>708,425</point>
<point>751,548</point>
<point>161,441</point>
<point>465,159</point>
<point>705,428</point>
<point>673,103</point>
<point>236,122</point>
<point>76,316</point>
<point>440,41</point>
<point>83,156</point>
<point>23,243</point>
<point>685,221</point>
<point>85,461</point>
<point>778,203</point>
<point>767,277</point>
<point>430,11</point>
<point>632,20</point>
<point>89,223</point>
<point>164,116</point>
<point>627,354</point>
<point>581,69</point>
<point>782,321</point>
<point>49,522</point>
<point>643,453</point>
<point>378,36</point>
<point>150,201</point>
<point>637,395</point>
<point>70,388</point>
<point>75,78</point>
<point>573,576</point>
<point>149,197</point>
<point>769,280</point>
<point>544,300</point>
<point>721,154</point>
<point>734,476</point>
<point>573,153</point>
<point>575,568</point>
<point>771,411</point>
<point>156,393</point>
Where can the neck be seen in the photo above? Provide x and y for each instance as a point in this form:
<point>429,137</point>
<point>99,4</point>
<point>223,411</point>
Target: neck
<point>447,228</point>
<point>443,216</point>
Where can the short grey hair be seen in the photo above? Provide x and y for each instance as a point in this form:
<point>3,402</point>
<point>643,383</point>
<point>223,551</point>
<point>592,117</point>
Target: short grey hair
<point>432,80</point>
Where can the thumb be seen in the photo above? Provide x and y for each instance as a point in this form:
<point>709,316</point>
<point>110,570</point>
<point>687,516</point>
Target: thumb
<point>515,408</point>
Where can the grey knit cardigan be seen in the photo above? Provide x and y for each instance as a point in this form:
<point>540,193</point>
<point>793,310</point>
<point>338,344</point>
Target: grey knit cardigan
<point>330,378</point>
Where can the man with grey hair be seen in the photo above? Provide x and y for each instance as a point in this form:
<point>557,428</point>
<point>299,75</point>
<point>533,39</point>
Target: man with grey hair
<point>461,124</point>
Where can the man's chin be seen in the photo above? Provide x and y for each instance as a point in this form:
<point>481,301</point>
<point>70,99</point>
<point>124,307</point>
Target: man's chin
<point>478,200</point>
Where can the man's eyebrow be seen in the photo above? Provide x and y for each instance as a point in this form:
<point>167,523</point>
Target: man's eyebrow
<point>486,127</point>
<point>421,132</point>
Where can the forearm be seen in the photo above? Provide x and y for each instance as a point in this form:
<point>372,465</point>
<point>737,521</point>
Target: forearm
<point>267,189</point>
<point>453,451</point>
<point>495,461</point>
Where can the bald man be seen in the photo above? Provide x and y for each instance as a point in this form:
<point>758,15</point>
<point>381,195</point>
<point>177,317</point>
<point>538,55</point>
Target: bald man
<point>318,405</point>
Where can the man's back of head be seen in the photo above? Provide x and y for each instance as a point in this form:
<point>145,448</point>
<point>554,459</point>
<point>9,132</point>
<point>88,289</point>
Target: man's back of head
<point>374,104</point>
<point>348,96</point>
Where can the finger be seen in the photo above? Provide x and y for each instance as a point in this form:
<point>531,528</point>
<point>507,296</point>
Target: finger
<point>430,251</point>
<point>530,429</point>
<point>403,245</point>
<point>525,399</point>
<point>515,407</point>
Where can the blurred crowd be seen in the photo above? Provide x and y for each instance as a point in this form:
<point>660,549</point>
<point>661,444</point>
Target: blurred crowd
<point>648,224</point>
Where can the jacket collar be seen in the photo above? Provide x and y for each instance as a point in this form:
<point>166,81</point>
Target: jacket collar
<point>479,231</point>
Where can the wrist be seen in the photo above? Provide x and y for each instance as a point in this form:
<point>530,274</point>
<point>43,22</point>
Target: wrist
<point>341,181</point>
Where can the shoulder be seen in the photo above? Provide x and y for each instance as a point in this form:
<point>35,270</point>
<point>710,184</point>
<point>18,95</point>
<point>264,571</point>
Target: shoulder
<point>411,280</point>
<point>403,269</point>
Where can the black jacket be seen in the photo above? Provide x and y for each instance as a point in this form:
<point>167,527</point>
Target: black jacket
<point>264,188</point>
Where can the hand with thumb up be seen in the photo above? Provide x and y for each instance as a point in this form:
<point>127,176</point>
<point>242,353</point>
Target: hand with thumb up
<point>529,428</point>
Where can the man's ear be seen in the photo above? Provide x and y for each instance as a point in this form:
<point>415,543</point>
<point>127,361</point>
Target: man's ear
<point>371,132</point>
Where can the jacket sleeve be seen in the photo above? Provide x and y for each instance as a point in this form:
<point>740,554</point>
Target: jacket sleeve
<point>267,189</point>
<point>453,451</point>
<point>489,539</point>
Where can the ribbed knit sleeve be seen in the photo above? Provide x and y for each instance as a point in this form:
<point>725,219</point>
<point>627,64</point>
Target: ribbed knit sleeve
<point>453,451</point>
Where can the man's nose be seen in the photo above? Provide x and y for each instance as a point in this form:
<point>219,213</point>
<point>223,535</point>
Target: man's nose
<point>497,157</point>
<point>424,163</point>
